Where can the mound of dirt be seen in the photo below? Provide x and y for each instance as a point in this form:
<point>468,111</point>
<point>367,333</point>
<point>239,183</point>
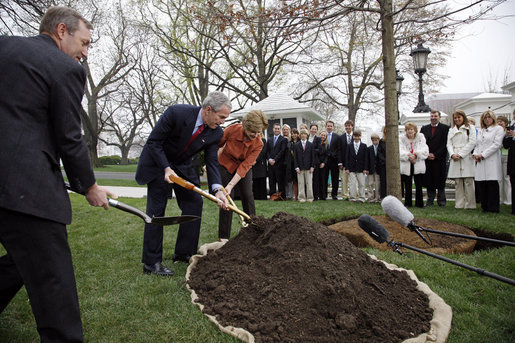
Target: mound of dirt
<point>441,244</point>
<point>288,279</point>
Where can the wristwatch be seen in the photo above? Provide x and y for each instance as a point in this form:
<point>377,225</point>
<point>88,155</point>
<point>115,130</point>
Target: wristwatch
<point>216,190</point>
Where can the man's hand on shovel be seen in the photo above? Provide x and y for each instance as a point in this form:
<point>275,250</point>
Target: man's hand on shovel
<point>97,196</point>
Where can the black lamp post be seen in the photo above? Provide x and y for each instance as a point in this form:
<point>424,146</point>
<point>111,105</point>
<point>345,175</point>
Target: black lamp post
<point>398,85</point>
<point>419,55</point>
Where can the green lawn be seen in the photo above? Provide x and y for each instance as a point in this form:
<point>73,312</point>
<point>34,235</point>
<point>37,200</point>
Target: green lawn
<point>121,304</point>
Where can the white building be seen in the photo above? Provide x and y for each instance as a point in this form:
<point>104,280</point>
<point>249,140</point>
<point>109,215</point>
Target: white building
<point>283,109</point>
<point>501,104</point>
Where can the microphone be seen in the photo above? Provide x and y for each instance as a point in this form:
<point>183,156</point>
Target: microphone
<point>380,235</point>
<point>373,228</point>
<point>394,208</point>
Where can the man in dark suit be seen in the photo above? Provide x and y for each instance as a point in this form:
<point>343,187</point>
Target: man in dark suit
<point>346,139</point>
<point>276,150</point>
<point>40,103</point>
<point>436,163</point>
<point>334,161</point>
<point>509,143</point>
<point>180,133</point>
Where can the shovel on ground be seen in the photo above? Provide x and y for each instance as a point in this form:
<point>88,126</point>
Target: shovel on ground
<point>188,185</point>
<point>149,220</point>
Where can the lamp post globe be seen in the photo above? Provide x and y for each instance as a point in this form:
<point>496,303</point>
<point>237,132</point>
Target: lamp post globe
<point>419,55</point>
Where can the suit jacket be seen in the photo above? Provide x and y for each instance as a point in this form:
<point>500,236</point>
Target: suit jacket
<point>509,143</point>
<point>317,145</point>
<point>40,104</point>
<point>304,159</point>
<point>373,160</point>
<point>259,168</point>
<point>167,141</point>
<point>277,152</point>
<point>437,143</point>
<point>356,163</point>
<point>333,151</point>
<point>343,148</point>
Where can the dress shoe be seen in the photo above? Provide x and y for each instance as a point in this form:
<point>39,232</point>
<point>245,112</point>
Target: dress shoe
<point>157,269</point>
<point>335,198</point>
<point>181,258</point>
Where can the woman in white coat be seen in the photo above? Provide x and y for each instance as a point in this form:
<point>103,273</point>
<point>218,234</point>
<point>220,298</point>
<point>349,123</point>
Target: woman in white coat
<point>488,161</point>
<point>460,144</point>
<point>413,152</point>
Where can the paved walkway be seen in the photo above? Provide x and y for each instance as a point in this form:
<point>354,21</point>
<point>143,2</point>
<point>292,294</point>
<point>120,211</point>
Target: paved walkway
<point>128,192</point>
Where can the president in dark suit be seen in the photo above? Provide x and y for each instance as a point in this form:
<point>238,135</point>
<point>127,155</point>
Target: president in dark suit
<point>276,149</point>
<point>436,164</point>
<point>509,143</point>
<point>180,133</point>
<point>40,102</point>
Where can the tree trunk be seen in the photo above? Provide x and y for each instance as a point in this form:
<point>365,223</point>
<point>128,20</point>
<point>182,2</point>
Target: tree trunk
<point>125,155</point>
<point>393,179</point>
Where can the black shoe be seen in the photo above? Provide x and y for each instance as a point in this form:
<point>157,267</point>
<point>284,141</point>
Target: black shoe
<point>157,269</point>
<point>335,198</point>
<point>441,204</point>
<point>181,258</point>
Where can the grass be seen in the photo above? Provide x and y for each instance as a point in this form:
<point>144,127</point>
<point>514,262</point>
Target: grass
<point>121,304</point>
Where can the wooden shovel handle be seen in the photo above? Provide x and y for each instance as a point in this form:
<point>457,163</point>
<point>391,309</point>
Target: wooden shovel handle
<point>188,185</point>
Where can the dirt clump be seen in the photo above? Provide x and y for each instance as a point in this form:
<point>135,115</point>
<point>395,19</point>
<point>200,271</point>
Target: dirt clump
<point>288,279</point>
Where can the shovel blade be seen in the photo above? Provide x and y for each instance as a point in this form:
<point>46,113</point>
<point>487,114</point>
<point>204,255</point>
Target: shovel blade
<point>173,220</point>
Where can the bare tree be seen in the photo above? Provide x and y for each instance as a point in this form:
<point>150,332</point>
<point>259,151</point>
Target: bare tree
<point>105,74</point>
<point>22,16</point>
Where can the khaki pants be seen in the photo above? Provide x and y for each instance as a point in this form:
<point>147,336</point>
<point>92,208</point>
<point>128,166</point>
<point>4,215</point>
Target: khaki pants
<point>374,187</point>
<point>357,186</point>
<point>305,181</point>
<point>465,194</point>
<point>345,184</point>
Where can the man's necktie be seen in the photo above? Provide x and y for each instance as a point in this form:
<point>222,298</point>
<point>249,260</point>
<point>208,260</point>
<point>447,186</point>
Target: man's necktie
<point>304,146</point>
<point>356,148</point>
<point>275,139</point>
<point>348,139</point>
<point>433,129</point>
<point>195,135</point>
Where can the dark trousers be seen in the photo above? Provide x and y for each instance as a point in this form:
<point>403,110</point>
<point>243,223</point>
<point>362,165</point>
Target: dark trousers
<point>259,188</point>
<point>332,167</point>
<point>316,183</point>
<point>512,181</point>
<point>407,182</point>
<point>247,200</point>
<point>38,256</point>
<point>189,202</point>
<point>323,180</point>
<point>436,173</point>
<point>489,195</point>
<point>277,178</point>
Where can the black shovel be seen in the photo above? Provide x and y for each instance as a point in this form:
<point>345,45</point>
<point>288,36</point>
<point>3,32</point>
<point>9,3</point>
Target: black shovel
<point>149,220</point>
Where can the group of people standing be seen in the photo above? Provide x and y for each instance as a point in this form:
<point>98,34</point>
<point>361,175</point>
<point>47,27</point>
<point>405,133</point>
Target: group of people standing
<point>303,163</point>
<point>475,161</point>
